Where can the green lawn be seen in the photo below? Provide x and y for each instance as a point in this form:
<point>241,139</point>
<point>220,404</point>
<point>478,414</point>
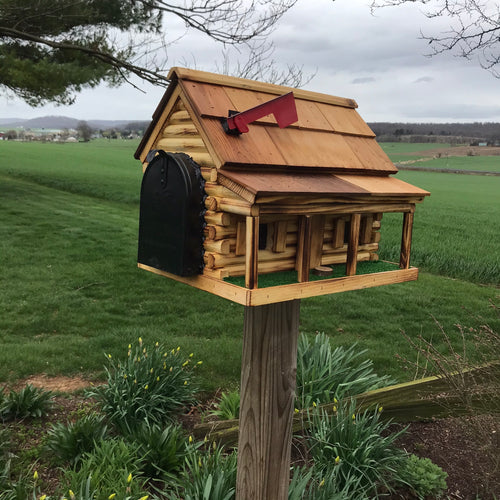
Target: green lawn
<point>402,151</point>
<point>70,290</point>
<point>456,228</point>
<point>480,163</point>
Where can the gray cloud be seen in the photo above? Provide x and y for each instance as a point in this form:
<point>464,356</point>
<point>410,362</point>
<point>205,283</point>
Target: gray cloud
<point>358,81</point>
<point>424,79</point>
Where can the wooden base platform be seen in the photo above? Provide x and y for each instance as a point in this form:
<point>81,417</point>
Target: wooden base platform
<point>281,293</point>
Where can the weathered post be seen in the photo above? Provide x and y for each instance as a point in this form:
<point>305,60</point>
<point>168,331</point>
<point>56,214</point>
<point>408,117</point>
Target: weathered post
<point>269,366</point>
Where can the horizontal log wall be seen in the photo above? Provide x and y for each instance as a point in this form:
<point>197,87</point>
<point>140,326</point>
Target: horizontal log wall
<point>223,243</point>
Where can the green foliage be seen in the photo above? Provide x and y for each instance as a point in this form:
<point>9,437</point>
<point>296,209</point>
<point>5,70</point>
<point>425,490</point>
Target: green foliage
<point>30,401</point>
<point>162,449</point>
<point>358,446</point>
<point>5,440</point>
<point>324,373</point>
<point>323,485</point>
<point>53,72</point>
<point>425,478</point>
<point>209,475</point>
<point>67,443</point>
<point>228,406</point>
<point>112,467</point>
<point>151,384</point>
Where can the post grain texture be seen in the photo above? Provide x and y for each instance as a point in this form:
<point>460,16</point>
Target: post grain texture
<point>268,375</point>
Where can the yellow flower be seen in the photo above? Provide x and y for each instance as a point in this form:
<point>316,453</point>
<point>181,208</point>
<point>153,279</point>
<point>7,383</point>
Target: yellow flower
<point>314,404</point>
<point>157,344</point>
<point>129,478</point>
<point>334,409</point>
<point>200,464</point>
<point>157,379</point>
<point>190,439</point>
<point>173,351</point>
<point>152,370</point>
<point>380,408</point>
<point>296,410</point>
<point>113,495</point>
<point>43,497</point>
<point>171,368</point>
<point>130,347</point>
<point>135,381</point>
<point>335,400</point>
<point>146,387</point>
<point>353,416</point>
<point>337,460</point>
<point>35,475</point>
<point>191,355</point>
<point>71,495</point>
<point>140,340</point>
<point>185,363</point>
<point>185,382</point>
<point>199,363</point>
<point>124,375</point>
<point>109,356</point>
<point>322,483</point>
<point>145,497</point>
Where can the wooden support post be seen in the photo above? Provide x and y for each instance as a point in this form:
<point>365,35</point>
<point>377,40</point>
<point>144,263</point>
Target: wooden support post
<point>317,237</point>
<point>404,259</point>
<point>352,246</point>
<point>268,373</point>
<point>303,259</point>
<point>251,252</point>
<point>338,233</point>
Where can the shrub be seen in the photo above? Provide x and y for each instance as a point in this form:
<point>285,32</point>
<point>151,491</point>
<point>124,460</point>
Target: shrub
<point>67,443</point>
<point>309,484</point>
<point>357,445</point>
<point>112,467</point>
<point>5,440</point>
<point>28,402</point>
<point>324,373</point>
<point>210,475</point>
<point>152,384</point>
<point>425,478</point>
<point>162,449</point>
<point>228,406</point>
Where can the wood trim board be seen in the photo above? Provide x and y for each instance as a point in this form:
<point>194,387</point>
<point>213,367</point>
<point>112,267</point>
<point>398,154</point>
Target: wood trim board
<point>282,293</point>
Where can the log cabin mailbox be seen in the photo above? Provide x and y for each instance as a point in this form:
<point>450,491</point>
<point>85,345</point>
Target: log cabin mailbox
<point>236,205</point>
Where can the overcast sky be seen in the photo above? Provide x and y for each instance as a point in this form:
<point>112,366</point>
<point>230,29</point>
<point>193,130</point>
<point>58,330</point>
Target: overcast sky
<point>377,60</point>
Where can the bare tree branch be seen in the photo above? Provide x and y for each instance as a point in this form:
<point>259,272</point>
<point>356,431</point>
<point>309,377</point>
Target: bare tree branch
<point>474,30</point>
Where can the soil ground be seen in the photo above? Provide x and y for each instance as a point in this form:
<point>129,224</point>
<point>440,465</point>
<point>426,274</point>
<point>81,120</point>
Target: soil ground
<point>467,448</point>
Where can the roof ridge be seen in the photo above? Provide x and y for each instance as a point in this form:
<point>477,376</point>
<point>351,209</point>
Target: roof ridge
<point>243,83</point>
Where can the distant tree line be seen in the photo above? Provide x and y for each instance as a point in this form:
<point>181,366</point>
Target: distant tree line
<point>437,132</point>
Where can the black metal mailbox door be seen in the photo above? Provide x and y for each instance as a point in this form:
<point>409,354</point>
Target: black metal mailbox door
<point>172,209</point>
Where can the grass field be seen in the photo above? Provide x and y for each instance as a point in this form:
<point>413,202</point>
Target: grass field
<point>479,163</point>
<point>409,153</point>
<point>70,289</point>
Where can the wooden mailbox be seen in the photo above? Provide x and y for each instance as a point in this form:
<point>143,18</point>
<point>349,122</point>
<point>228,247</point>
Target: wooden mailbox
<point>294,199</point>
<point>234,204</point>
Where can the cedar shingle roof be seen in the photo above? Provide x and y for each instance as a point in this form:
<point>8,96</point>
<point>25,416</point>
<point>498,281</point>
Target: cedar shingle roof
<point>329,135</point>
